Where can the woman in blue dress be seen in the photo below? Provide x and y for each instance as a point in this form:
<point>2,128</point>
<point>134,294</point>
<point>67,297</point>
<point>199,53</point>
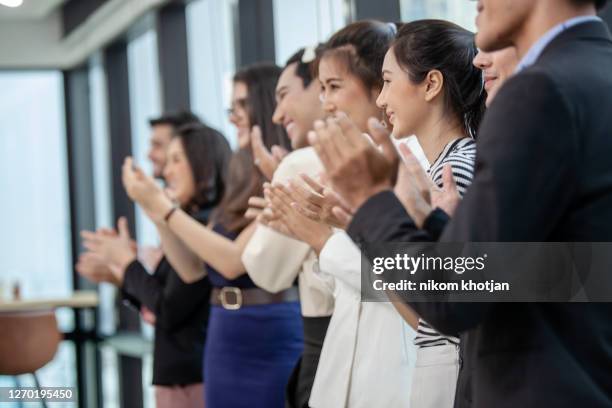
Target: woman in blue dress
<point>254,336</point>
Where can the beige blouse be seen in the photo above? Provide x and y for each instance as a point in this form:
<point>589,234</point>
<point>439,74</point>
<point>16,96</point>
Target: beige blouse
<point>274,261</point>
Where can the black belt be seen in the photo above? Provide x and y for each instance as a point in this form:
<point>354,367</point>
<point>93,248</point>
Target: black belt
<point>233,298</point>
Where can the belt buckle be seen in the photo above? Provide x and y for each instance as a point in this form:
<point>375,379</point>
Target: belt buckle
<point>223,297</point>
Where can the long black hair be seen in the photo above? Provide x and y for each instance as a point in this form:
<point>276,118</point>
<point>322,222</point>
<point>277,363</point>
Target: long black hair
<point>425,45</point>
<point>244,178</point>
<point>208,154</point>
<point>362,46</point>
<point>260,80</point>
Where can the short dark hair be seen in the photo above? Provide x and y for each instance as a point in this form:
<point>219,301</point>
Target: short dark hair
<point>304,70</point>
<point>362,45</point>
<point>175,119</point>
<point>208,154</point>
<point>425,45</point>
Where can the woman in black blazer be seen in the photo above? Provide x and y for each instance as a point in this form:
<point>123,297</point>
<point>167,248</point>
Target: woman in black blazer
<point>195,171</point>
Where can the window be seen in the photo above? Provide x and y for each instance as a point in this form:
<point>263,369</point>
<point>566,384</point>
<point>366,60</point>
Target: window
<point>145,103</point>
<point>34,211</point>
<point>210,42</point>
<point>34,185</point>
<point>102,178</point>
<point>462,13</point>
<point>300,23</point>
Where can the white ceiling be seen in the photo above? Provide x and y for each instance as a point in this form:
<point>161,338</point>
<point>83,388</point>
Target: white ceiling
<point>30,10</point>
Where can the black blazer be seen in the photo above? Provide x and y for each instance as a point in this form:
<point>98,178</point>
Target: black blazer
<point>543,173</point>
<point>181,311</point>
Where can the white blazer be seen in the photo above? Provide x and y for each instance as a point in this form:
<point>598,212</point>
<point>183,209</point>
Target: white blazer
<point>368,355</point>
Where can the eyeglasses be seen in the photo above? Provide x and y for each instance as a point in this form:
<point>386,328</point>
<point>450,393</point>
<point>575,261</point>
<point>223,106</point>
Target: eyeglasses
<point>240,103</point>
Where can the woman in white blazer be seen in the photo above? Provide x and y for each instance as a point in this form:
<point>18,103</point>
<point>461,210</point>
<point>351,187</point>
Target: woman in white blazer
<point>368,353</point>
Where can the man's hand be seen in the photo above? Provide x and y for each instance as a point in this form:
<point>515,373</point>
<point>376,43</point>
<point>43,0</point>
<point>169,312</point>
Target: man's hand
<point>448,198</point>
<point>356,168</point>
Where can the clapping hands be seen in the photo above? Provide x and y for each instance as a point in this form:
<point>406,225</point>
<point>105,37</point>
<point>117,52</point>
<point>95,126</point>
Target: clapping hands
<point>107,251</point>
<point>357,169</point>
<point>145,191</point>
<point>419,194</point>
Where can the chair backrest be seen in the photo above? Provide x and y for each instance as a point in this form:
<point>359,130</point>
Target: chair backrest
<point>29,340</point>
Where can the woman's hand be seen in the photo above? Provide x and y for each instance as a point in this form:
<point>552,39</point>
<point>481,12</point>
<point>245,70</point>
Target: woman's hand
<point>147,315</point>
<point>266,161</point>
<point>256,206</point>
<point>116,250</point>
<point>283,203</point>
<point>418,193</point>
<point>145,191</point>
<point>320,203</point>
<point>92,267</point>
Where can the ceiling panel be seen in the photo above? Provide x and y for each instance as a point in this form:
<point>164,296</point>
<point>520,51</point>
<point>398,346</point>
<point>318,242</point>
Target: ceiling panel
<point>30,10</point>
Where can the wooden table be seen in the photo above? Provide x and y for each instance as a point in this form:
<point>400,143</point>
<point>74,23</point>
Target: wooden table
<point>80,299</point>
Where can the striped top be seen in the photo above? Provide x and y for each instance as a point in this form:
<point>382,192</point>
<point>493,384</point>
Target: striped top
<point>461,155</point>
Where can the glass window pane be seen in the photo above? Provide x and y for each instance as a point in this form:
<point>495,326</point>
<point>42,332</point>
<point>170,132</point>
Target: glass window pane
<point>210,43</point>
<point>145,103</point>
<point>34,210</point>
<point>299,23</point>
<point>458,11</point>
<point>34,184</point>
<point>102,178</point>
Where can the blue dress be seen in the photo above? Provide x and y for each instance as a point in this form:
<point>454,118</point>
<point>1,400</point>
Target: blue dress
<point>250,352</point>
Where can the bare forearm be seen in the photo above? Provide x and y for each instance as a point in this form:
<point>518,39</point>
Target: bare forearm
<point>219,252</point>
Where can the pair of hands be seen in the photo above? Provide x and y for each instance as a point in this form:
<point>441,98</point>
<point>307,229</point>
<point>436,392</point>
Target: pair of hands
<point>303,209</point>
<point>108,253</point>
<point>419,194</point>
<point>358,169</point>
<point>144,190</point>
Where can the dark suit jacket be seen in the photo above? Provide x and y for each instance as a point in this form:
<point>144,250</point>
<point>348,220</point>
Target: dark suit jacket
<point>543,173</point>
<point>181,311</point>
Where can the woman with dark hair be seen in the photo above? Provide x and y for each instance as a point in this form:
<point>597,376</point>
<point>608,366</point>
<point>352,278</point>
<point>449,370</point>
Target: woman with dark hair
<point>349,71</point>
<point>195,170</point>
<point>274,261</point>
<point>253,103</point>
<point>255,337</point>
<point>433,90</point>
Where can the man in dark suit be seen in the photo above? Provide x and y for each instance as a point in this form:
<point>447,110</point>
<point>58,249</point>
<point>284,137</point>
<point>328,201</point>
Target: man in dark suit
<point>543,173</point>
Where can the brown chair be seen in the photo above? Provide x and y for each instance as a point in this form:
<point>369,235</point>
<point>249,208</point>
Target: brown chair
<point>29,341</point>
